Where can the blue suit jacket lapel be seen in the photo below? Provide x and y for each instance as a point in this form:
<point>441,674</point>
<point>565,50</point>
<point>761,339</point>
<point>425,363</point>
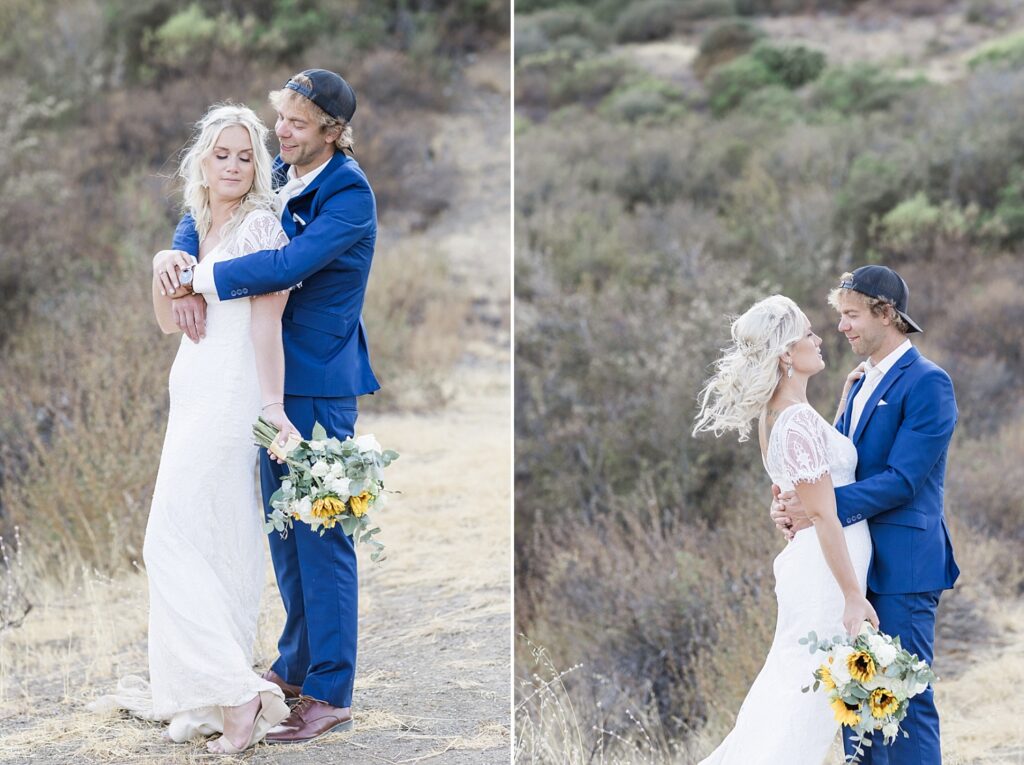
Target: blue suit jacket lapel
<point>884,385</point>
<point>848,414</point>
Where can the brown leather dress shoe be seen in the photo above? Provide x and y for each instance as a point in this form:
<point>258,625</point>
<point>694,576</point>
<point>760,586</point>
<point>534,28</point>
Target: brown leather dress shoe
<point>290,691</point>
<point>309,719</point>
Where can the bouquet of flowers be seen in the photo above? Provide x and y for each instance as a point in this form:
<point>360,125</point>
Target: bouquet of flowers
<point>870,680</point>
<point>330,482</point>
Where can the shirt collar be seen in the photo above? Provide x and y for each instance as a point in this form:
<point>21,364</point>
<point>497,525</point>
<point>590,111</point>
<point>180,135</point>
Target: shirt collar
<point>889,361</point>
<point>308,177</point>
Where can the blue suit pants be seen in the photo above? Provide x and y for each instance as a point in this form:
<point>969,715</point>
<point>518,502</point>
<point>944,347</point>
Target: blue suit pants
<point>316,575</point>
<point>912,617</point>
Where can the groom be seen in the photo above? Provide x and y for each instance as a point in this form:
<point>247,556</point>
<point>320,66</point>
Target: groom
<point>330,216</point>
<point>900,415</point>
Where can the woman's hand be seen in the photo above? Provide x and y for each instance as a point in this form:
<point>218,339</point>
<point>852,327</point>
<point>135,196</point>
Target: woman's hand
<point>167,265</point>
<point>274,413</point>
<point>857,373</point>
<point>858,610</point>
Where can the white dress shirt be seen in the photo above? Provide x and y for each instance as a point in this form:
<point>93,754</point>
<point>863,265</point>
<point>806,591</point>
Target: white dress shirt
<point>874,373</point>
<point>202,274</point>
<point>296,183</point>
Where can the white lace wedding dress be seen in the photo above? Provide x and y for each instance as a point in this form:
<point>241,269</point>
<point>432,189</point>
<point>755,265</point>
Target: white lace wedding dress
<point>204,548</point>
<point>778,723</point>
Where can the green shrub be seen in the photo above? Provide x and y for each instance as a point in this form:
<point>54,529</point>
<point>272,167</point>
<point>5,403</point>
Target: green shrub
<point>915,227</point>
<point>589,80</point>
<point>187,37</point>
<point>724,41</point>
<point>773,105</point>
<point>794,65</point>
<point>647,20</point>
<point>734,81</point>
<point>1010,210</point>
<point>1006,52</point>
<point>990,13</point>
<point>561,22</point>
<point>859,89</point>
<point>644,100</point>
<point>874,186</point>
<point>697,10</point>
<point>790,7</point>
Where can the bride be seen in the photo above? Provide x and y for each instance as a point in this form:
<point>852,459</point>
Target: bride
<point>821,575</point>
<point>204,547</point>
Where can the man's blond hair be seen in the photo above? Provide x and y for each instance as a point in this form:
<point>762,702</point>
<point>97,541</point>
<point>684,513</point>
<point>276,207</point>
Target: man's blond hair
<point>878,306</point>
<point>289,97</point>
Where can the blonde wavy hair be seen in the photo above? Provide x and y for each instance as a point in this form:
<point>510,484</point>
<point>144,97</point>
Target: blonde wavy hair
<point>197,192</point>
<point>748,372</point>
<point>279,98</point>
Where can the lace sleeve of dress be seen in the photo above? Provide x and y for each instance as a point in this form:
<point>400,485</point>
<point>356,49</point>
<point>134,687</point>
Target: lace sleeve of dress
<point>263,232</point>
<point>805,447</point>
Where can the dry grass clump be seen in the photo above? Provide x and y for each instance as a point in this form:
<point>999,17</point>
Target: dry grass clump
<point>672,611</point>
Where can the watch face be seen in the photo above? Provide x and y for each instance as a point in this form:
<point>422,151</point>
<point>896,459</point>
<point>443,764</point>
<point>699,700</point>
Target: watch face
<point>186,276</point>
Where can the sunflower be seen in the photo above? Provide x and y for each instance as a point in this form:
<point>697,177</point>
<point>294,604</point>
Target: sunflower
<point>359,504</point>
<point>861,666</point>
<point>845,714</point>
<point>883,703</point>
<point>825,675</point>
<point>326,508</point>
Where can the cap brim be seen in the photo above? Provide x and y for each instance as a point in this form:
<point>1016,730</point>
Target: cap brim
<point>914,326</point>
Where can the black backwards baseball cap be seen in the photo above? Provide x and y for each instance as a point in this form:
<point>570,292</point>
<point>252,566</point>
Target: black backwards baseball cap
<point>885,284</point>
<point>329,91</point>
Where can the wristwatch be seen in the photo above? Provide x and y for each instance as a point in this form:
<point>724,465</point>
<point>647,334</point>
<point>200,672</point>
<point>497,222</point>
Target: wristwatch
<point>185,280</point>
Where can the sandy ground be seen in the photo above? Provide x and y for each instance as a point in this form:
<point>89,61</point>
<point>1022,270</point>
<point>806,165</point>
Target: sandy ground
<point>434,676</point>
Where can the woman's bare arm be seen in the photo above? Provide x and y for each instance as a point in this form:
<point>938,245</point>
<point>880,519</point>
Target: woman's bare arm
<point>819,501</point>
<point>162,309</point>
<point>266,340</point>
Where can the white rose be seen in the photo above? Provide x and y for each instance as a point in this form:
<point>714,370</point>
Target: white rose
<point>337,470</point>
<point>883,650</point>
<point>890,730</point>
<point>368,443</point>
<point>339,486</point>
<point>320,469</point>
<point>839,669</point>
<point>877,681</point>
<point>304,509</point>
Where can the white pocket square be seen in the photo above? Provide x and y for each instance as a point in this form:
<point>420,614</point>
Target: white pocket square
<point>882,402</point>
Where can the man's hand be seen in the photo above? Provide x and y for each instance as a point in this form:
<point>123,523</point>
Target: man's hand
<point>190,316</point>
<point>787,512</point>
<point>167,265</point>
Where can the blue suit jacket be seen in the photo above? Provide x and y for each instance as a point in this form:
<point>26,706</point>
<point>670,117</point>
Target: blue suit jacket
<point>332,225</point>
<point>901,449</point>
